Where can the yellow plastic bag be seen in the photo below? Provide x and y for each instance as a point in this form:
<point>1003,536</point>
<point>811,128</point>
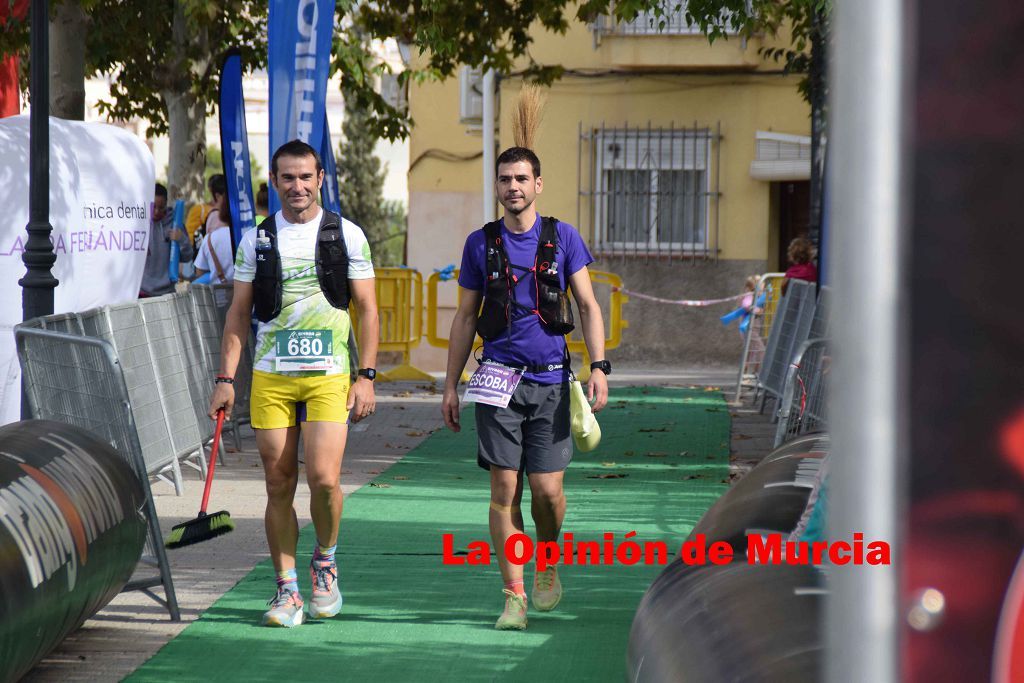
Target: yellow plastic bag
<point>586,432</point>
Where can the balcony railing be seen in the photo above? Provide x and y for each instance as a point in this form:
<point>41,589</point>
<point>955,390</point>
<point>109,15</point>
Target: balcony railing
<point>672,22</point>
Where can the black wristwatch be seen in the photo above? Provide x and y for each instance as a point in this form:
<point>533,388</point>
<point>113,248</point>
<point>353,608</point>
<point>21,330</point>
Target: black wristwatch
<point>602,365</point>
<point>368,373</point>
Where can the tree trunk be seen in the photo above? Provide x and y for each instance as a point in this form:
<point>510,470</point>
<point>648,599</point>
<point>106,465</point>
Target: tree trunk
<point>68,28</point>
<point>186,130</point>
<point>186,115</point>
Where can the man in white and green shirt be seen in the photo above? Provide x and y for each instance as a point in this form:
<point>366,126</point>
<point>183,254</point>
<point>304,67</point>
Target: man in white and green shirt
<point>301,377</point>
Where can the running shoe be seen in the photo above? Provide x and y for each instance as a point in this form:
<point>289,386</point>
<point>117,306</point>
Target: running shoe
<point>547,589</point>
<point>326,600</point>
<point>514,616</point>
<point>285,610</point>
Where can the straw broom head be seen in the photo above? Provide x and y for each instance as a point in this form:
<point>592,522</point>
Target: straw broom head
<point>526,116</point>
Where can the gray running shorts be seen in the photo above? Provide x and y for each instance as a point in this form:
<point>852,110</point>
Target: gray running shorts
<point>531,434</point>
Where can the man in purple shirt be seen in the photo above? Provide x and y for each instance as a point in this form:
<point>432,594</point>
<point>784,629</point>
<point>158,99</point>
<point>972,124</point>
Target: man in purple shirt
<point>526,339</point>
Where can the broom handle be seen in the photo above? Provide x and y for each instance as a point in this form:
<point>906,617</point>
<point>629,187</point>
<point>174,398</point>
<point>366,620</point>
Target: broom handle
<point>212,464</point>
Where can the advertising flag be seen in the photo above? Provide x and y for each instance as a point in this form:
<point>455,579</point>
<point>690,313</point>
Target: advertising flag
<point>299,36</point>
<point>234,143</point>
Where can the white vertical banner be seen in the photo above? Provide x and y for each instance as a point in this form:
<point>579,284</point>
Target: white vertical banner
<point>101,195</point>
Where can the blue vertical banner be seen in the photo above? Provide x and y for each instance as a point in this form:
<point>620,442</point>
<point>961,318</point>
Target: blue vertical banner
<point>234,145</point>
<point>330,195</point>
<point>299,34</point>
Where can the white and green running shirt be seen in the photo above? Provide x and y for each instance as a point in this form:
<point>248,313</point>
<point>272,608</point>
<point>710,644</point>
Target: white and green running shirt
<point>303,305</point>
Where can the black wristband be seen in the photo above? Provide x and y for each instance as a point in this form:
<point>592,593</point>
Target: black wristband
<point>368,373</point>
<point>602,365</point>
<point>223,379</point>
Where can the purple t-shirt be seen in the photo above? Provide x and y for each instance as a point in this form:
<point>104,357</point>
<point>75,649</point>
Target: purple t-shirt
<point>530,343</point>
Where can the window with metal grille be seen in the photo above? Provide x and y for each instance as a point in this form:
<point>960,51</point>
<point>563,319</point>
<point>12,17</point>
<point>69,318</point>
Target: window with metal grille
<point>651,189</point>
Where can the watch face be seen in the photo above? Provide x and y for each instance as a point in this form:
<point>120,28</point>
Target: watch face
<point>368,373</point>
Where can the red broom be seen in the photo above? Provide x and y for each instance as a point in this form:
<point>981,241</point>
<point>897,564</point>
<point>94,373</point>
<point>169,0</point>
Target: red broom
<point>204,527</point>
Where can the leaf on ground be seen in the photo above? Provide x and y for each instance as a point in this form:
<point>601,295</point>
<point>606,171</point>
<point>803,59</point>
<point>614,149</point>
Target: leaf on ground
<point>741,437</point>
<point>607,476</point>
<point>416,433</point>
<point>402,394</point>
<point>379,486</point>
<point>374,472</point>
<point>630,454</point>
<point>401,478</point>
<point>608,464</point>
<point>685,453</point>
<point>656,454</point>
<point>712,388</point>
<point>655,429</point>
<point>693,476</point>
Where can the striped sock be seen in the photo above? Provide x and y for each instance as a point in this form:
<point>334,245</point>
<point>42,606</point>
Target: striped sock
<point>288,580</point>
<point>516,587</point>
<point>324,554</point>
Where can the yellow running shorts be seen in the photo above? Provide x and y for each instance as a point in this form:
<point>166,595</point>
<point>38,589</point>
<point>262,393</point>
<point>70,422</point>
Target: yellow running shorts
<point>279,401</point>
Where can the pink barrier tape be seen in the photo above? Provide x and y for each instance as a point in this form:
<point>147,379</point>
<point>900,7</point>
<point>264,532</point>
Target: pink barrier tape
<point>680,302</point>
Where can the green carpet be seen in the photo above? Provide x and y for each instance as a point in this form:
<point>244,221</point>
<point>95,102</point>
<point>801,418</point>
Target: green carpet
<point>663,461</point>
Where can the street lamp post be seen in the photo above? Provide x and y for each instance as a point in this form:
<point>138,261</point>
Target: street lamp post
<point>38,257</point>
<point>38,284</point>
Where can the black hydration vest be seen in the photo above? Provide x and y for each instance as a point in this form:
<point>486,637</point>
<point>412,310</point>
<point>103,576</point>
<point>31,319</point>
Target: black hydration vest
<point>330,255</point>
<point>551,302</point>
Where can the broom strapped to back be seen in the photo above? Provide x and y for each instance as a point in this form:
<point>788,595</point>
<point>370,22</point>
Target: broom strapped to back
<point>204,527</point>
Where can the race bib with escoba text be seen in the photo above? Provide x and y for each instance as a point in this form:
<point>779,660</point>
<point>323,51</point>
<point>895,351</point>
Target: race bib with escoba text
<point>492,384</point>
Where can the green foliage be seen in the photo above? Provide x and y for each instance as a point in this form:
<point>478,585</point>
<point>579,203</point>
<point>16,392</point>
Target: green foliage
<point>361,183</point>
<point>807,20</point>
<point>152,49</point>
<point>215,164</point>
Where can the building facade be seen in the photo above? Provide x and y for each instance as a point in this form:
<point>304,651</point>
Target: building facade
<point>684,165</point>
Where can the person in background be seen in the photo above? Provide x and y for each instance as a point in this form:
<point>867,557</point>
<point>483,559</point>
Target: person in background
<point>262,203</point>
<point>801,253</point>
<point>216,254</point>
<point>155,277</point>
<point>220,216</point>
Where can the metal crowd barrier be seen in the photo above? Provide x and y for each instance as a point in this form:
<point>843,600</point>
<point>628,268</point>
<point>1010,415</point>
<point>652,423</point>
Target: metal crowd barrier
<point>769,286</point>
<point>821,323</point>
<point>140,377</point>
<point>790,329</point>
<point>607,290</point>
<point>803,406</point>
<point>209,307</point>
<point>80,380</point>
<point>168,348</point>
<point>399,306</point>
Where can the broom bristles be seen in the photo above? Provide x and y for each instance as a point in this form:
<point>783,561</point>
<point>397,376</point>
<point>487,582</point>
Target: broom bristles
<point>526,116</point>
<point>201,529</point>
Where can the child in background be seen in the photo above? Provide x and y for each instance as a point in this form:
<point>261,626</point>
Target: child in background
<point>750,309</point>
